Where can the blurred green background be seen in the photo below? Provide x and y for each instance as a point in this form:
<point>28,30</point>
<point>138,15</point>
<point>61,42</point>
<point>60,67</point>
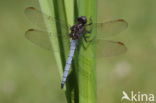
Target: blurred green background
<point>28,74</point>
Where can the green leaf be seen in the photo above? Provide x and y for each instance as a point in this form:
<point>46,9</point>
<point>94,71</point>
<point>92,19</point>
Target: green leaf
<point>81,81</point>
<point>86,71</point>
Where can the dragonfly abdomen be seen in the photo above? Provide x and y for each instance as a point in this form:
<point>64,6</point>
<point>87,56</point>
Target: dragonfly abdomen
<point>68,63</point>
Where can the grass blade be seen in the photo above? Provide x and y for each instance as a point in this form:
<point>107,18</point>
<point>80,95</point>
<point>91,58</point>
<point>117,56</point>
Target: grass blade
<point>87,64</point>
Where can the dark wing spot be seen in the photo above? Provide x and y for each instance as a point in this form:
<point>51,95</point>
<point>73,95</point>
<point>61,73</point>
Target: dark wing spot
<point>121,20</point>
<point>32,8</point>
<point>31,30</point>
<point>120,43</point>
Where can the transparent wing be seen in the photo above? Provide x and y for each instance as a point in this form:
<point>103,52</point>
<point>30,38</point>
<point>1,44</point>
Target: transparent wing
<point>37,17</point>
<point>106,48</point>
<point>42,39</point>
<point>109,28</point>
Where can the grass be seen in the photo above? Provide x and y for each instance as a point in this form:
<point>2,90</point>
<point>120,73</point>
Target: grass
<point>86,70</point>
<point>77,82</point>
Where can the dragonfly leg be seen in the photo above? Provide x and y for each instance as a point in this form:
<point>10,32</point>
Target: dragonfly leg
<point>85,38</point>
<point>89,32</point>
<point>86,42</point>
<point>91,21</point>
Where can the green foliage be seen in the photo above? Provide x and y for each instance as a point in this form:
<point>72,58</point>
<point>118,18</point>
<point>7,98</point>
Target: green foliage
<point>29,74</point>
<point>83,74</point>
<point>86,70</point>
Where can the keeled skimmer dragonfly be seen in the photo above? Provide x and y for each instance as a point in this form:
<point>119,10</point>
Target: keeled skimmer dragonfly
<point>77,31</point>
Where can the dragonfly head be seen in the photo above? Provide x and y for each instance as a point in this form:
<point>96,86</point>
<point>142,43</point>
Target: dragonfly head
<point>82,20</point>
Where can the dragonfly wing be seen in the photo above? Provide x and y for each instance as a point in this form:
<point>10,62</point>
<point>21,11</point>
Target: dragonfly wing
<point>109,28</point>
<point>37,17</point>
<point>39,38</point>
<point>42,39</point>
<point>109,48</point>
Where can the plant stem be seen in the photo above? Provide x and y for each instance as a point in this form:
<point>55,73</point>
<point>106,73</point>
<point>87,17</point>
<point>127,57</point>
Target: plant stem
<point>87,63</point>
<point>81,81</point>
<point>47,7</point>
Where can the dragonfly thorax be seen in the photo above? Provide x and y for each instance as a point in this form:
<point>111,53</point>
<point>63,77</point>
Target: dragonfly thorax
<point>78,29</point>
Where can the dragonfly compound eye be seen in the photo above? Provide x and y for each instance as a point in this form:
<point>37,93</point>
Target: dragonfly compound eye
<point>82,19</point>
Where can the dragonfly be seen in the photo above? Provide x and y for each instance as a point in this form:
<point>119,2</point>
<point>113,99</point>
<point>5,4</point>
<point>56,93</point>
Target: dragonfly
<point>77,32</point>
